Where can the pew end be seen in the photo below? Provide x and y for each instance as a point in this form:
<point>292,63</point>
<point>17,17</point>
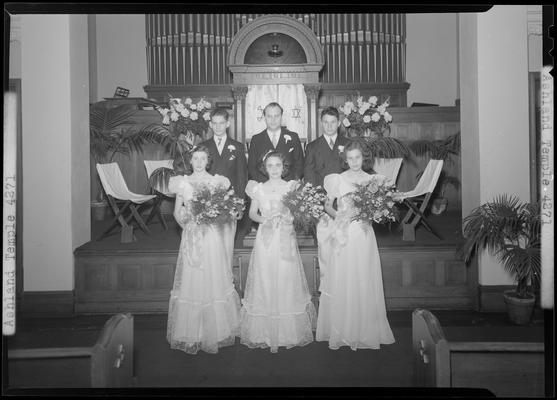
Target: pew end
<point>108,363</point>
<point>507,369</point>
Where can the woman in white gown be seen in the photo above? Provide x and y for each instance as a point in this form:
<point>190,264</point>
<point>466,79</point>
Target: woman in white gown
<point>352,305</point>
<point>204,305</point>
<point>276,308</point>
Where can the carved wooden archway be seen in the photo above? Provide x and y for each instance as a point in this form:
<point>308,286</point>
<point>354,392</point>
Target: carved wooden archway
<point>250,74</point>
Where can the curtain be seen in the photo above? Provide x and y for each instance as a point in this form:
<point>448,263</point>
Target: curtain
<point>292,99</point>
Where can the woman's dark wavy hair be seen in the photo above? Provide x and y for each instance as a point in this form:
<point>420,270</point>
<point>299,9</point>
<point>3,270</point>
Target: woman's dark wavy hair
<point>187,168</point>
<point>362,145</point>
<point>274,153</point>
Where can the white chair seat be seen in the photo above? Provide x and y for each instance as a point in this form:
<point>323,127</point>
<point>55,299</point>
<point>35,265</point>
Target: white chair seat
<point>114,184</point>
<point>388,167</point>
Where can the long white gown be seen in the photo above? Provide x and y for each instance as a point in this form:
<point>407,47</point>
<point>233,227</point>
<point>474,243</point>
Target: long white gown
<point>352,308</point>
<point>276,308</point>
<point>204,306</point>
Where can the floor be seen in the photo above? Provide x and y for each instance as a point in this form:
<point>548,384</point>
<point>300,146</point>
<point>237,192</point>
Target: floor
<point>314,365</point>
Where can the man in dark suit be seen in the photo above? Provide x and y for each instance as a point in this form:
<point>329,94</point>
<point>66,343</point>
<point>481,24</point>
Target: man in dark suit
<point>324,154</point>
<point>275,137</point>
<point>229,159</point>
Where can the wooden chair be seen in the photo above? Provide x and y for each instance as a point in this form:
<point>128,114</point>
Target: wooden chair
<point>388,167</point>
<point>160,192</point>
<point>117,191</point>
<point>109,363</point>
<point>504,368</point>
<point>418,199</point>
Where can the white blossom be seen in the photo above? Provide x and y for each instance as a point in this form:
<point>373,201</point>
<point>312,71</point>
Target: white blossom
<point>165,119</point>
<point>174,116</point>
<point>185,113</point>
<point>194,116</point>
<point>367,119</point>
<point>193,107</point>
<point>373,101</point>
<point>375,117</point>
<point>345,122</point>
<point>287,138</point>
<point>207,116</point>
<point>188,101</point>
<point>388,117</point>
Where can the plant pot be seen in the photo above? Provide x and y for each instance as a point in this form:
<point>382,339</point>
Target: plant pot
<point>439,205</point>
<point>519,310</point>
<point>99,210</point>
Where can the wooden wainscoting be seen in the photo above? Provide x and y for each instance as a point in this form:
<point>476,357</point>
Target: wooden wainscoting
<point>112,281</point>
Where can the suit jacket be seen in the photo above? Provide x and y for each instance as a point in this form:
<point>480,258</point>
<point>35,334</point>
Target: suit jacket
<point>289,146</point>
<point>322,161</point>
<point>231,163</point>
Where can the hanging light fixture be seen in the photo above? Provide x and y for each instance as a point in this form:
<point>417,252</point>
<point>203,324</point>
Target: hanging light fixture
<point>275,52</point>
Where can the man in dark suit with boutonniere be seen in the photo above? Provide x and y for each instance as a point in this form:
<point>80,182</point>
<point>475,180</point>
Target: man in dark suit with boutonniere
<point>324,154</point>
<point>229,159</point>
<point>275,137</point>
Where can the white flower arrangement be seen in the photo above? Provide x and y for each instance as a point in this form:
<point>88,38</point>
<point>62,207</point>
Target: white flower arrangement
<point>366,115</point>
<point>184,115</point>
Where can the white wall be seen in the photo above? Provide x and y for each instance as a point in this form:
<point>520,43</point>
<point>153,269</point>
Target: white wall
<point>14,66</point>
<point>494,94</point>
<point>54,142</point>
<point>431,58</point>
<point>121,54</point>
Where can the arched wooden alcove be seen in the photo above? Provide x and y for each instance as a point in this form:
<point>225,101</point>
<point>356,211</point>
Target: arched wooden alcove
<point>305,73</point>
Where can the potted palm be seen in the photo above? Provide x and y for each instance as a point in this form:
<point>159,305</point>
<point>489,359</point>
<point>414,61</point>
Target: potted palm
<point>112,132</point>
<point>444,150</point>
<point>511,231</point>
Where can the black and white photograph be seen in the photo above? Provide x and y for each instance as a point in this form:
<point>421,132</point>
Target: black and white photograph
<point>202,200</point>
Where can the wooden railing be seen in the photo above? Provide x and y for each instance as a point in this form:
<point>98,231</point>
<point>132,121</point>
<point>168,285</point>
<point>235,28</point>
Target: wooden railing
<point>184,49</point>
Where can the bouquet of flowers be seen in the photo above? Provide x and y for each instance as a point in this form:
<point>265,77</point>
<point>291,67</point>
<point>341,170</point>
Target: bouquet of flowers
<point>215,205</point>
<point>366,116</point>
<point>186,116</point>
<point>306,205</point>
<point>375,201</point>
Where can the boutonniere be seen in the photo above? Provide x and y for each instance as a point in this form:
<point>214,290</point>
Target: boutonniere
<point>287,138</point>
<point>231,148</point>
<point>340,149</point>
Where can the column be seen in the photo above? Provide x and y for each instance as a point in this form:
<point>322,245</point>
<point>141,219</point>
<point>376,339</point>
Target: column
<point>494,115</point>
<point>55,148</point>
<point>312,93</point>
<point>239,93</point>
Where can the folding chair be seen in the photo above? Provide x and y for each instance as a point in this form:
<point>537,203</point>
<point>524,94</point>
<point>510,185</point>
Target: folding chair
<point>388,167</point>
<point>418,199</point>
<point>117,191</point>
<point>160,192</point>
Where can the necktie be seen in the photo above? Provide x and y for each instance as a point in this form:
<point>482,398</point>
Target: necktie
<point>218,145</point>
<point>331,143</point>
<point>275,139</point>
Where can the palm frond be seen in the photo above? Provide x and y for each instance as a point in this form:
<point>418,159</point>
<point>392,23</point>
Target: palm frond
<point>387,147</point>
<point>160,177</point>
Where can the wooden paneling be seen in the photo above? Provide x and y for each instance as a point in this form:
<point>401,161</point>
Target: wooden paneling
<point>140,282</point>
<point>55,303</point>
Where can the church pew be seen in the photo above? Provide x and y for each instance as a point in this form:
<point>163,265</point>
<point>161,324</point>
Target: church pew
<point>108,363</point>
<point>508,369</point>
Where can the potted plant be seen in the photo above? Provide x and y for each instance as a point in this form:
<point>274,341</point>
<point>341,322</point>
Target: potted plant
<point>511,231</point>
<point>444,150</point>
<point>112,132</point>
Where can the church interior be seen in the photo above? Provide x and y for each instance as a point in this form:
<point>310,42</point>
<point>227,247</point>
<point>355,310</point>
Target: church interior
<point>90,309</point>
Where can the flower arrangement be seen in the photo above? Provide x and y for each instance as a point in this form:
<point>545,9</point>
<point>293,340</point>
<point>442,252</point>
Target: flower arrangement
<point>186,116</point>
<point>375,201</point>
<point>215,205</point>
<point>366,117</point>
<point>306,205</point>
